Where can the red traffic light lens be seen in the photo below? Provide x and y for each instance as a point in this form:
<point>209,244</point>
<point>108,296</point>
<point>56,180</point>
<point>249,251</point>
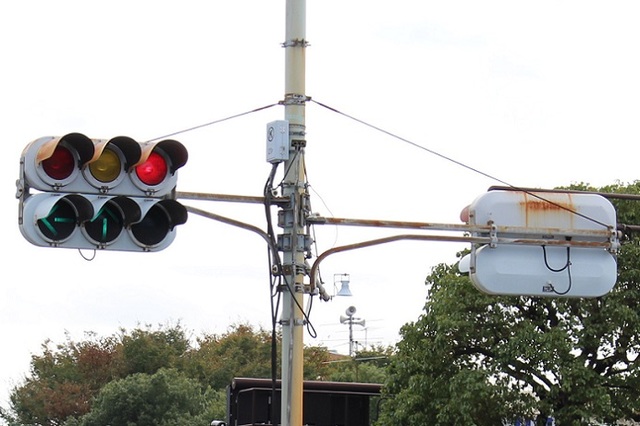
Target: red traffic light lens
<point>60,165</point>
<point>153,171</point>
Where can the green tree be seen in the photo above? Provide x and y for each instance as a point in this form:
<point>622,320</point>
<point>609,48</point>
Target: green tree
<point>240,352</point>
<point>148,350</point>
<point>165,398</point>
<point>317,363</point>
<point>477,359</point>
<point>72,381</point>
<point>367,366</point>
<point>64,378</point>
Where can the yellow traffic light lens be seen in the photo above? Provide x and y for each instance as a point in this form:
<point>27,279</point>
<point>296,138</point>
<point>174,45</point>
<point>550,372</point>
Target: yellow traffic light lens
<point>107,168</point>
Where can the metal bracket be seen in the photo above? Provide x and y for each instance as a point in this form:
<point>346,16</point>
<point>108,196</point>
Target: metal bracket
<point>295,43</point>
<point>303,243</point>
<point>20,187</point>
<point>493,235</point>
<point>22,192</point>
<point>614,240</point>
<point>295,99</point>
<point>472,259</point>
<point>298,143</point>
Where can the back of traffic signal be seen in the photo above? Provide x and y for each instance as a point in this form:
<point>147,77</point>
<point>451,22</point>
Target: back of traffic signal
<point>116,194</point>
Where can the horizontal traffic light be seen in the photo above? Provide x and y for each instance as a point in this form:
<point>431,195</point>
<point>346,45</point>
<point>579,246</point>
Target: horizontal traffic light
<point>119,166</point>
<point>101,222</point>
<point>112,194</point>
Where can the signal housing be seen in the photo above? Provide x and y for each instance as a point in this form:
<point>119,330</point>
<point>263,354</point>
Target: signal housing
<point>115,194</point>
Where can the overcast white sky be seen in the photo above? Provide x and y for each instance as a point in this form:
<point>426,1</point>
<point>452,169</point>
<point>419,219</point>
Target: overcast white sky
<point>537,94</point>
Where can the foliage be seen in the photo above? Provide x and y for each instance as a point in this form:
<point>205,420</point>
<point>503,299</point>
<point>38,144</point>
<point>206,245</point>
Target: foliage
<point>477,359</point>
<point>165,398</point>
<point>64,379</point>
<point>317,363</point>
<point>125,376</point>
<point>240,352</point>
<point>368,366</point>
<point>147,350</point>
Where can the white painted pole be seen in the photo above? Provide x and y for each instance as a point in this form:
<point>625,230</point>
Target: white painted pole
<point>294,188</point>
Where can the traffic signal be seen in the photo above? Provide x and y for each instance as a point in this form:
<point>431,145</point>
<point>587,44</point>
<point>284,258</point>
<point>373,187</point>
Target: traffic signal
<point>543,269</point>
<point>115,194</point>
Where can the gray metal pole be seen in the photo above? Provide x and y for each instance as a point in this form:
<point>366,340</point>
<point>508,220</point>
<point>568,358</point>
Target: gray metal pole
<point>351,336</point>
<point>293,223</point>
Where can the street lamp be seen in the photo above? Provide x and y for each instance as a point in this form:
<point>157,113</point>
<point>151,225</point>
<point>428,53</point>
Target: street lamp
<point>344,284</point>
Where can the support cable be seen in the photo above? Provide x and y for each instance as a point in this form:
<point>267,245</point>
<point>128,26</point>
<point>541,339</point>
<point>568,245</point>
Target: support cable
<point>200,126</point>
<point>407,141</point>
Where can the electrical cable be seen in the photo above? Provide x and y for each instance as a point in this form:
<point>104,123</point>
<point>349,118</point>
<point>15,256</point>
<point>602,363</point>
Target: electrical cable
<point>199,126</point>
<point>566,267</point>
<point>274,260</point>
<point>393,135</point>
<point>546,262</point>
<point>286,172</point>
<point>310,328</point>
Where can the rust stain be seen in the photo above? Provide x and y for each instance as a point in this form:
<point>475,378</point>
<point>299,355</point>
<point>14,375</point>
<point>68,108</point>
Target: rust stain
<point>46,150</point>
<point>548,210</point>
<point>544,206</point>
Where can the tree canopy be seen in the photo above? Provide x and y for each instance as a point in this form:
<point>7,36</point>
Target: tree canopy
<point>478,359</point>
<point>156,376</point>
<point>164,398</point>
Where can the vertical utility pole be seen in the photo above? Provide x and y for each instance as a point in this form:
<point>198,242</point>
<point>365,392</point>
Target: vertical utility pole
<point>295,239</point>
<point>351,346</point>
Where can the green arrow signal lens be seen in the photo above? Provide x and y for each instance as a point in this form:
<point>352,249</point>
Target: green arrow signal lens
<point>107,225</point>
<point>60,222</point>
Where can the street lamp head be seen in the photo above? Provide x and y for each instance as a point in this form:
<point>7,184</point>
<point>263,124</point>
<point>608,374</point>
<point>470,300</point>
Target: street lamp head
<point>344,285</point>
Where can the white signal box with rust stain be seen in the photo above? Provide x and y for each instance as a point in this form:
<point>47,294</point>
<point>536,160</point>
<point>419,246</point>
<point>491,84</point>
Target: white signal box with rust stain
<point>561,210</point>
<point>544,269</point>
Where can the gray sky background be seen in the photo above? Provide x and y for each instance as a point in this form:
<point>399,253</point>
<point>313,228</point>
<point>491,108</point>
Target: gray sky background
<point>536,94</point>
